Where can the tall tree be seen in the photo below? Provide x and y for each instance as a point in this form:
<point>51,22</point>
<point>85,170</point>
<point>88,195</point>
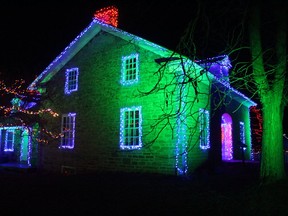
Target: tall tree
<point>254,35</point>
<point>269,73</point>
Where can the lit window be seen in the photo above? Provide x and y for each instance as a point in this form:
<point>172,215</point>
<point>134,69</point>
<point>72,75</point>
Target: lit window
<point>68,130</point>
<point>71,83</point>
<point>9,140</point>
<point>130,69</point>
<point>130,128</point>
<point>204,129</point>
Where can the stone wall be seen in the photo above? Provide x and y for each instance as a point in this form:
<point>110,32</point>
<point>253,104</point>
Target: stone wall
<point>97,105</point>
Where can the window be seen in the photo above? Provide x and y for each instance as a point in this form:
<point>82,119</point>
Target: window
<point>71,83</point>
<point>130,69</point>
<point>9,140</point>
<point>68,130</point>
<point>130,128</point>
<point>204,129</point>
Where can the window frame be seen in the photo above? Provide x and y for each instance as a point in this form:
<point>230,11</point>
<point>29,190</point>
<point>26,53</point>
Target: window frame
<point>68,142</point>
<point>71,80</point>
<point>137,119</point>
<point>9,143</point>
<point>204,121</point>
<point>124,80</point>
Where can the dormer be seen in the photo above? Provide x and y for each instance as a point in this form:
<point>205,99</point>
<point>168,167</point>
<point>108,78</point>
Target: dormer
<point>219,66</point>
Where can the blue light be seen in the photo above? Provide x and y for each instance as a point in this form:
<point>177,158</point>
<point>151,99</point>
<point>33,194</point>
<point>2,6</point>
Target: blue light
<point>71,131</point>
<point>204,129</point>
<point>125,80</point>
<point>71,81</point>
<point>122,127</point>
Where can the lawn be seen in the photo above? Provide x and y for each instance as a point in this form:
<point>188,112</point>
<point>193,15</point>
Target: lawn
<point>232,189</point>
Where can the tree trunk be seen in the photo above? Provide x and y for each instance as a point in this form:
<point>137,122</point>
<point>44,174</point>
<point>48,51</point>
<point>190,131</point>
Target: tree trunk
<point>270,90</point>
<point>272,159</point>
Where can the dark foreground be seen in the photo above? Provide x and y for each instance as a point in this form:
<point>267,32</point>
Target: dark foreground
<point>232,189</point>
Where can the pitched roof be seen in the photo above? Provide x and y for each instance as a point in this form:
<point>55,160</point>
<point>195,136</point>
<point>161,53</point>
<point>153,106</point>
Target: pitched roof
<point>92,30</point>
<point>83,38</point>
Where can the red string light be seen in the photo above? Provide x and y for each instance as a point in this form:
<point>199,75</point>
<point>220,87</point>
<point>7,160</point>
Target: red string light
<point>108,15</point>
<point>19,92</point>
<point>257,120</point>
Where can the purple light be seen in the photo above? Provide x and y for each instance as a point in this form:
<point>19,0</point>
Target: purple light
<point>226,136</point>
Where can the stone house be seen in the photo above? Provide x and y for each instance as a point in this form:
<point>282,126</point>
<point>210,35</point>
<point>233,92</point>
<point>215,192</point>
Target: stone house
<point>126,104</point>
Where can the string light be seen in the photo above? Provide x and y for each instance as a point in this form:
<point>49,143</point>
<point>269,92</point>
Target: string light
<point>218,66</point>
<point>71,81</point>
<point>26,141</point>
<point>122,127</point>
<point>19,104</point>
<point>258,121</point>
<point>204,129</point>
<point>257,131</point>
<point>9,142</point>
<point>181,144</point>
<point>226,137</point>
<point>9,110</point>
<point>68,133</point>
<point>18,90</point>
<point>242,133</point>
<point>60,57</point>
<point>108,15</point>
<point>130,69</point>
<point>92,27</point>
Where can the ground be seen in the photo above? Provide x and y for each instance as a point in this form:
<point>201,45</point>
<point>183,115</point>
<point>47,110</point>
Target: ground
<point>231,189</point>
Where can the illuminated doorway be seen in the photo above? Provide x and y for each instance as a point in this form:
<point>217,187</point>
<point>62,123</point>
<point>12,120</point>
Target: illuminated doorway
<point>226,137</point>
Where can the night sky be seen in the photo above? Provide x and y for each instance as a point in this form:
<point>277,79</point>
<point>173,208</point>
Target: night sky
<point>34,33</point>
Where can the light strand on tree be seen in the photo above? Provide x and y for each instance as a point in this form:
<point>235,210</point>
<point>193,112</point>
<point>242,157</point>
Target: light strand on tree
<point>9,110</point>
<point>21,101</point>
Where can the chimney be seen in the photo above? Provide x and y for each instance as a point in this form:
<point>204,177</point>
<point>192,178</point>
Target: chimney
<point>107,15</point>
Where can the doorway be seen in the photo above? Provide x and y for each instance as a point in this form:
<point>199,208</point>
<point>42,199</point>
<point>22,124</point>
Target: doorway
<point>226,137</point>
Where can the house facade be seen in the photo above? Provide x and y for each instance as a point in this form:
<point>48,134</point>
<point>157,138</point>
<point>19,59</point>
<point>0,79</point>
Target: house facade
<point>126,104</point>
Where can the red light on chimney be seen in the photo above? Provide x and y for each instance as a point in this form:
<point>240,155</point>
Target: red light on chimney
<point>108,15</point>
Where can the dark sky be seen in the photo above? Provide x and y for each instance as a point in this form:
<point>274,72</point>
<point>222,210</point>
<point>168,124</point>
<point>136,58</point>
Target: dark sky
<point>34,32</point>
